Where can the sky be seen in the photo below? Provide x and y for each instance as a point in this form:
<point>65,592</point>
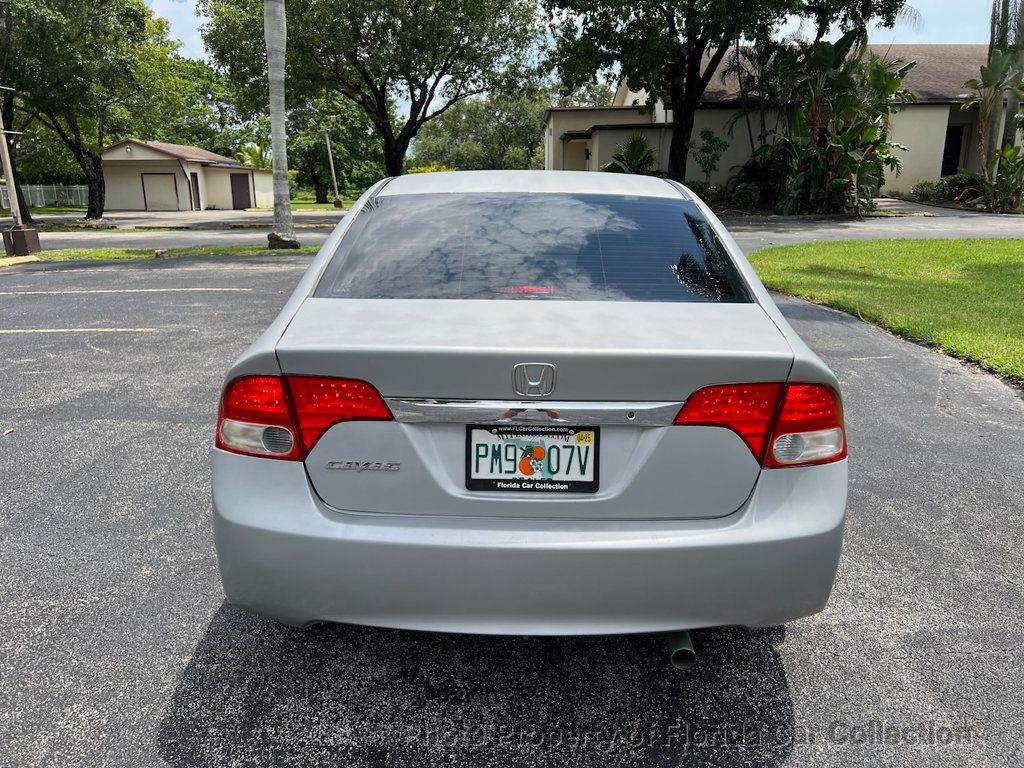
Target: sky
<point>941,21</point>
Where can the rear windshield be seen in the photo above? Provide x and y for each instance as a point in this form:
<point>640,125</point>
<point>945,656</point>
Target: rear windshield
<point>535,246</point>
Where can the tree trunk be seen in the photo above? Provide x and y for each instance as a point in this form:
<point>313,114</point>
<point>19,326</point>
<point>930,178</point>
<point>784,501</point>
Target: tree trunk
<point>275,34</point>
<point>684,110</point>
<point>92,167</point>
<point>320,190</point>
<point>993,138</point>
<point>394,155</point>
<point>1012,110</point>
<point>1012,107</point>
<point>8,108</point>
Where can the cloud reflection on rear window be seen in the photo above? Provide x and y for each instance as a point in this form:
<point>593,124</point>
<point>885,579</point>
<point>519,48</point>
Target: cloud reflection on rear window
<point>533,247</point>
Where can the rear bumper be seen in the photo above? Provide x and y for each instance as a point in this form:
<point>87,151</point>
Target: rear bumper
<point>285,554</point>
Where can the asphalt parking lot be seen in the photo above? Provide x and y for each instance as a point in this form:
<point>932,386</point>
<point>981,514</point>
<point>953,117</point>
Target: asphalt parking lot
<point>117,647</point>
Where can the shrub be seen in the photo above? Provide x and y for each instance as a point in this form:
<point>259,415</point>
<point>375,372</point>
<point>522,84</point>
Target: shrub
<point>768,170</point>
<point>708,154</point>
<point>432,168</point>
<point>925,191</point>
<point>712,194</point>
<point>635,155</point>
<point>699,188</point>
<point>953,187</point>
<point>1004,193</point>
<point>746,195</point>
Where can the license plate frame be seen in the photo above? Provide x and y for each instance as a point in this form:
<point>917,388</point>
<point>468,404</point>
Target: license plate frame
<point>518,483</point>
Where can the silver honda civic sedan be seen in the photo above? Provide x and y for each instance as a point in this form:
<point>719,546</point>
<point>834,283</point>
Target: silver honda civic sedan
<point>531,403</point>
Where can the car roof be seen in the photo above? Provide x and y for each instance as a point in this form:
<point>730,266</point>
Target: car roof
<point>525,182</point>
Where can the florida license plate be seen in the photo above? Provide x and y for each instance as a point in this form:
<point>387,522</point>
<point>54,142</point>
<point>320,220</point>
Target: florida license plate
<point>522,458</point>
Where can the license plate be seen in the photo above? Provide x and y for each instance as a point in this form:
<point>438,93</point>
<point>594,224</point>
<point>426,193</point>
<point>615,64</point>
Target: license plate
<point>521,458</point>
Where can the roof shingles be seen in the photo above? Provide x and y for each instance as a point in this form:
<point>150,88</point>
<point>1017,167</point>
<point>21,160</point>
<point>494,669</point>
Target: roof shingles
<point>183,152</point>
<point>938,76</point>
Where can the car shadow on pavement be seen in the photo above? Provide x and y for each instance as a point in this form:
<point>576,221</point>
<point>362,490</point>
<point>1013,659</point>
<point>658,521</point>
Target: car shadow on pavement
<point>257,693</point>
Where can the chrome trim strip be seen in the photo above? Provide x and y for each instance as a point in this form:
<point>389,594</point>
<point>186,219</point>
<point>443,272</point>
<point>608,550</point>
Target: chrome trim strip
<point>645,414</point>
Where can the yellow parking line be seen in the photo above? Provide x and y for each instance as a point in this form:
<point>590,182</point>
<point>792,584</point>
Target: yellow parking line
<point>79,330</point>
<point>125,290</point>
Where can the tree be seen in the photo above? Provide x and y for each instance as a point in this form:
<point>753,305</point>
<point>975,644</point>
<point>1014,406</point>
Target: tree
<point>836,126</point>
<point>595,93</point>
<point>428,57</point>
<point>1007,36</point>
<point>275,35</point>
<point>254,155</point>
<point>356,148</point>
<point>708,154</point>
<point>43,158</point>
<point>856,15</point>
<point>76,93</point>
<point>182,100</point>
<point>495,132</point>
<point>999,76</point>
<point>671,51</point>
<point>758,75</point>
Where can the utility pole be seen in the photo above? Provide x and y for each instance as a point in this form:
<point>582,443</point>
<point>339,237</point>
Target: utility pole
<point>334,176</point>
<point>19,240</point>
<point>5,157</point>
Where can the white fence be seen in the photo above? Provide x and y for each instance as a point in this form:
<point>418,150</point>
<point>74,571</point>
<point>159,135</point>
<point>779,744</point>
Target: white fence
<point>49,194</point>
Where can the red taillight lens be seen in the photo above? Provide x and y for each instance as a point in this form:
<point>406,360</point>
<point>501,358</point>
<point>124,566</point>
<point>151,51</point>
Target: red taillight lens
<point>320,403</point>
<point>255,419</point>
<point>282,418</point>
<point>783,424</point>
<point>809,428</point>
<point>746,409</point>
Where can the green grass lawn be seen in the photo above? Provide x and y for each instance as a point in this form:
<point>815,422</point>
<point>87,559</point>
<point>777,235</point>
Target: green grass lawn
<point>105,254</point>
<point>43,209</point>
<point>965,297</point>
<point>309,205</point>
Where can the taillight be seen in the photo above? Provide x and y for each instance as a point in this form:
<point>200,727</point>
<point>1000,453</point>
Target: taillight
<point>255,419</point>
<point>784,425</point>
<point>282,418</point>
<point>809,428</point>
<point>320,403</point>
<point>746,409</point>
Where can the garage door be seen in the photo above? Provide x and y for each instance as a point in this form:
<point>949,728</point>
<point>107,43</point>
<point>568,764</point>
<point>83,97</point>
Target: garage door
<point>160,191</point>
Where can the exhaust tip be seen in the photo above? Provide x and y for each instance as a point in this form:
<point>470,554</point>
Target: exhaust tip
<point>683,658</point>
<point>681,654</point>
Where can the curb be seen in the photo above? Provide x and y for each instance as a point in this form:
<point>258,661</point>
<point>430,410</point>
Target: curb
<point>11,261</point>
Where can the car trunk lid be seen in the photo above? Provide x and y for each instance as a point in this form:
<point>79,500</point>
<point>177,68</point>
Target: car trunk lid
<point>623,368</point>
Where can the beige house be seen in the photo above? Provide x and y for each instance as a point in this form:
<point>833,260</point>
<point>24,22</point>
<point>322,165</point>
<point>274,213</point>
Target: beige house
<point>156,176</point>
<point>939,136</point>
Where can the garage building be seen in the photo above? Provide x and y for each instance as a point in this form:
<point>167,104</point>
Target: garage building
<point>156,176</point>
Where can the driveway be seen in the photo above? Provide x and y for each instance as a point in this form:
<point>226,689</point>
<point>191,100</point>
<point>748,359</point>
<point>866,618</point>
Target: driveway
<point>927,222</point>
<point>750,231</point>
<point>117,648</point>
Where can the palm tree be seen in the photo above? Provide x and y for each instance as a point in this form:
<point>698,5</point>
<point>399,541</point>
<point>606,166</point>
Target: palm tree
<point>254,155</point>
<point>276,35</point>
<point>635,155</point>
<point>999,76</point>
<point>1007,35</point>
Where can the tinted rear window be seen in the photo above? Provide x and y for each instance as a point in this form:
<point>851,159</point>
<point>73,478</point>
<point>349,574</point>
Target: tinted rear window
<point>538,246</point>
